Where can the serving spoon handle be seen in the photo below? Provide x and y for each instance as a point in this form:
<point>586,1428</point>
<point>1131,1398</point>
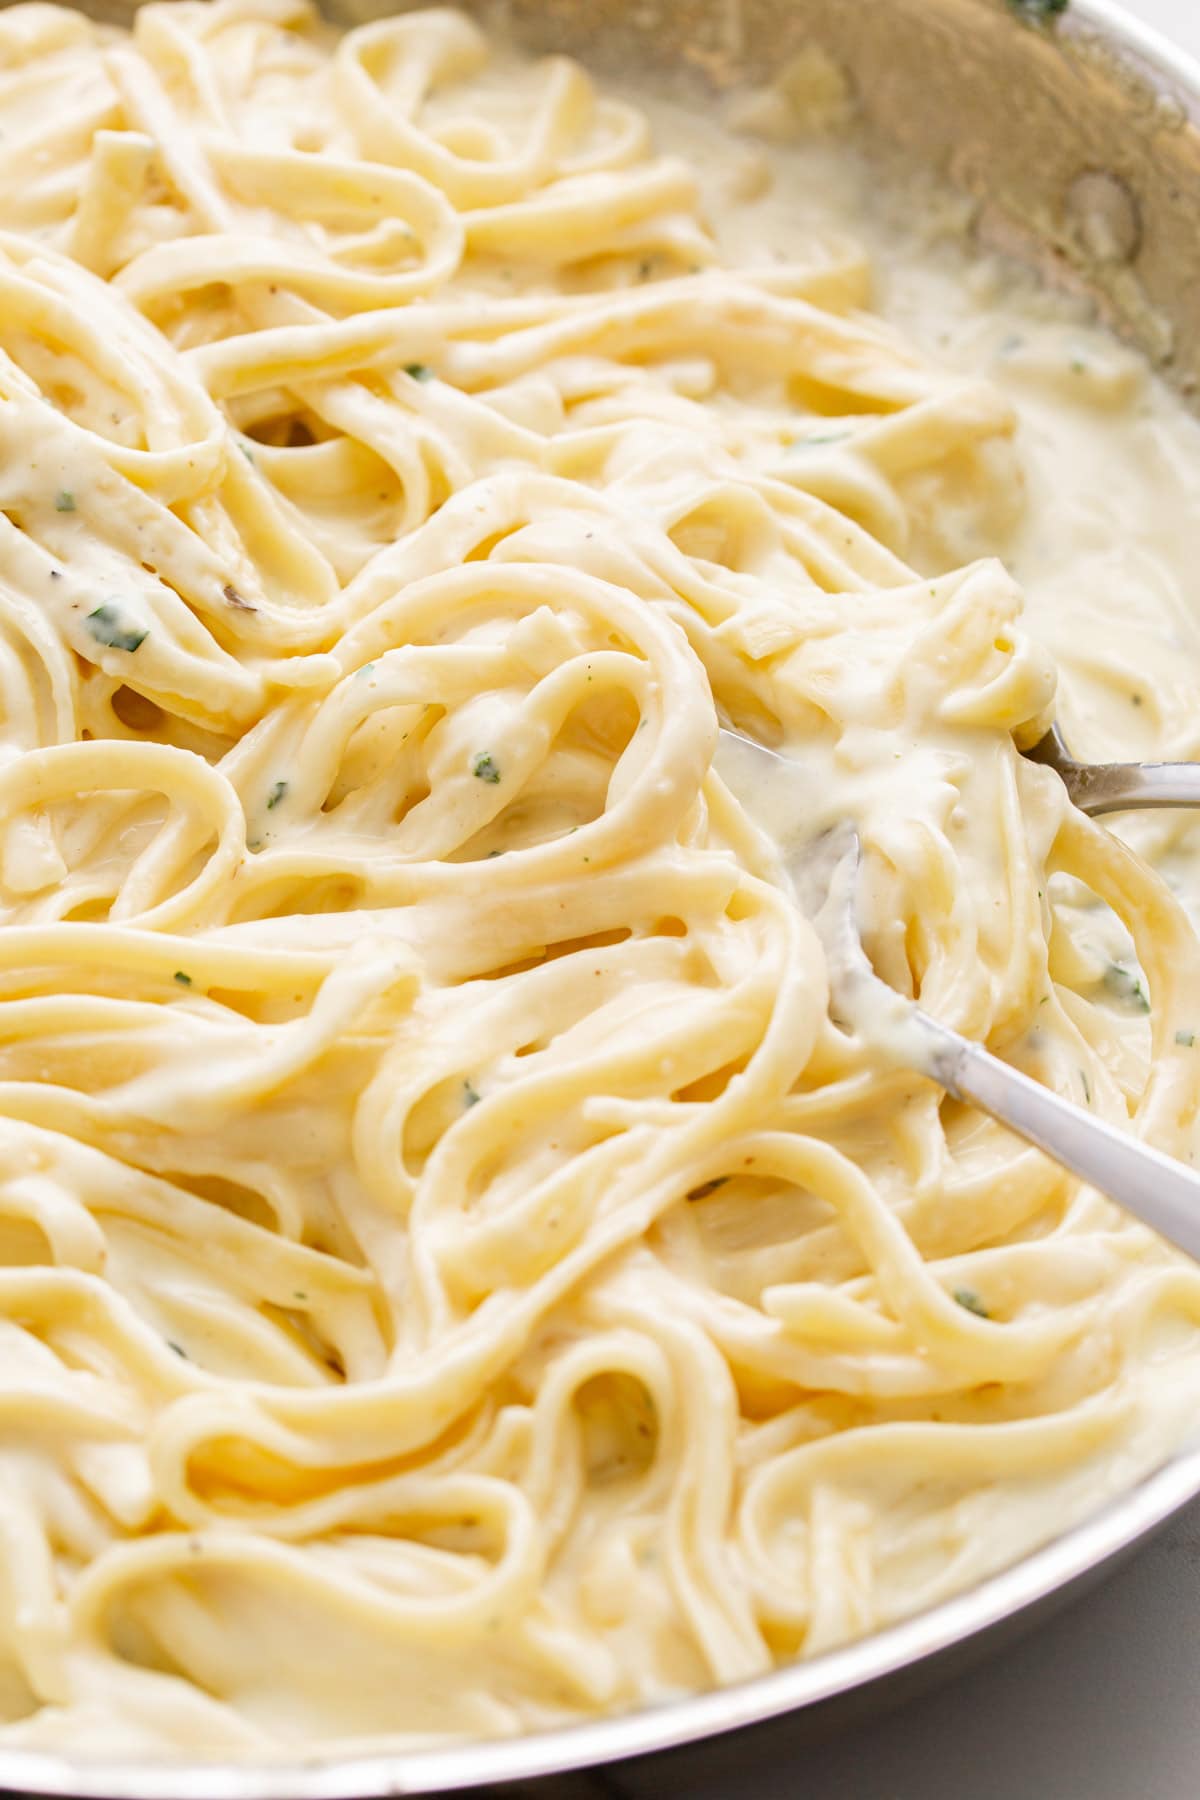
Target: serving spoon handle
<point>1163,1193</point>
<point>1117,787</point>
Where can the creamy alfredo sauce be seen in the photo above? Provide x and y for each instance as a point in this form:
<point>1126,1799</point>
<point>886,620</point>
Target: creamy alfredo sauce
<point>455,1279</point>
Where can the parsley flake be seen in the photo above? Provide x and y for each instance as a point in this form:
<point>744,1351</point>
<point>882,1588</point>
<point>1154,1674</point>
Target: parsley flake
<point>183,978</point>
<point>1038,12</point>
<point>969,1300</point>
<point>276,795</point>
<point>471,1096</point>
<point>486,768</point>
<point>1125,985</point>
<point>109,626</point>
<point>64,501</point>
<point>419,371</point>
<point>1186,1038</point>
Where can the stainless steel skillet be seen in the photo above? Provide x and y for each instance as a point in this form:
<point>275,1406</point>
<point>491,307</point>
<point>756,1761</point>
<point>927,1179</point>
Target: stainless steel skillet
<point>1051,128</point>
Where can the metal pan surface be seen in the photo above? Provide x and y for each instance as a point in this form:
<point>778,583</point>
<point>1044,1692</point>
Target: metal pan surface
<point>1051,120</point>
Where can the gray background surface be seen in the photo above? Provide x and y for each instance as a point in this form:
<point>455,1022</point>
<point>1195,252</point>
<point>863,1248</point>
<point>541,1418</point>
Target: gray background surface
<point>1179,19</point>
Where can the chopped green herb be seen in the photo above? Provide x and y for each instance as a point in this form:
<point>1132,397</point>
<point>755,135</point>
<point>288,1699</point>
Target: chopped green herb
<point>1186,1038</point>
<point>820,437</point>
<point>1124,985</point>
<point>1087,1086</point>
<point>63,501</point>
<point>109,626</point>
<point>644,268</point>
<point>1135,699</point>
<point>471,1096</point>
<point>419,371</point>
<point>276,795</point>
<point>492,853</point>
<point>1038,12</point>
<point>1078,365</point>
<point>235,599</point>
<point>299,1294</point>
<point>178,1349</point>
<point>366,669</point>
<point>246,451</point>
<point>969,1299</point>
<point>707,1187</point>
<point>183,978</point>
<point>486,768</point>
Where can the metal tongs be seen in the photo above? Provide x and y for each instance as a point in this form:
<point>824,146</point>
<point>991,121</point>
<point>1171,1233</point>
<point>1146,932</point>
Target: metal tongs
<point>1161,1192</point>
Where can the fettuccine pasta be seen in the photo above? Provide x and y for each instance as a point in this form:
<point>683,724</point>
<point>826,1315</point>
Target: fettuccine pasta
<point>455,1278</point>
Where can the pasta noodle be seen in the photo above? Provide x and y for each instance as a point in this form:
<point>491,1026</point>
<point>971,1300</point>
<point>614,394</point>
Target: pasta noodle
<point>454,1276</point>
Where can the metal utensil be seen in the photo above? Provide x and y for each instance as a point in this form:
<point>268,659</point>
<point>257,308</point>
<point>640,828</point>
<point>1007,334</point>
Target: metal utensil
<point>1161,1192</point>
<point>1117,787</point>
